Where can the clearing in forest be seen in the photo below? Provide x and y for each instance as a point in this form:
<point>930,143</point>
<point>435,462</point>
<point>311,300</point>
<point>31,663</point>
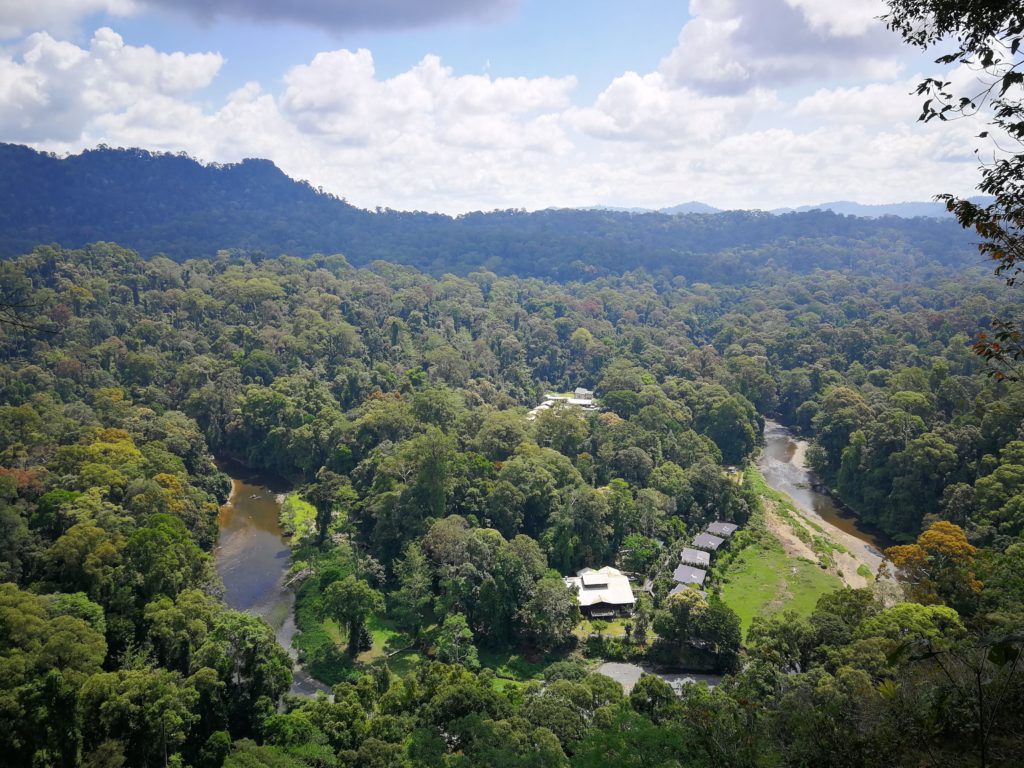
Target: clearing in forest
<point>777,569</point>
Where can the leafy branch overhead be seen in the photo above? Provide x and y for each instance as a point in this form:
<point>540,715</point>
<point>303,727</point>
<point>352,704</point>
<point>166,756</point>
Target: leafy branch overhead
<point>986,38</point>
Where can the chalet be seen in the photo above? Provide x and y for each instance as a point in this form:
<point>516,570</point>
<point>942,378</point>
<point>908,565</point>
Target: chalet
<point>707,542</point>
<point>722,529</point>
<point>691,556</point>
<point>580,400</point>
<point>687,574</point>
<point>603,593</point>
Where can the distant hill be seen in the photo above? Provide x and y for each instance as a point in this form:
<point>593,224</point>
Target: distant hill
<point>909,210</point>
<point>691,207</point>
<point>903,210</point>
<point>171,204</point>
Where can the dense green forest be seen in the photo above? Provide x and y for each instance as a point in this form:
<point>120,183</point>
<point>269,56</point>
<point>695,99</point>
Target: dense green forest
<point>172,205</point>
<point>396,403</point>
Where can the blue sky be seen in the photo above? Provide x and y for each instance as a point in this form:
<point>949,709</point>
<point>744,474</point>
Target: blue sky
<point>595,40</point>
<point>459,105</point>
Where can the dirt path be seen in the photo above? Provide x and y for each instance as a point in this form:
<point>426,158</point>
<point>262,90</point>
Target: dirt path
<point>783,464</point>
<point>846,565</point>
<point>791,543</point>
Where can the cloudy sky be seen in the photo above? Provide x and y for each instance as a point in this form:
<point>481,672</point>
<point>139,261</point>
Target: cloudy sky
<point>457,105</point>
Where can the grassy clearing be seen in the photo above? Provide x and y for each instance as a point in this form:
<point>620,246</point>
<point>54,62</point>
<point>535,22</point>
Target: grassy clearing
<point>297,517</point>
<point>385,639</point>
<point>816,538</point>
<point>501,684</point>
<point>406,662</point>
<point>762,579</point>
<point>615,629</point>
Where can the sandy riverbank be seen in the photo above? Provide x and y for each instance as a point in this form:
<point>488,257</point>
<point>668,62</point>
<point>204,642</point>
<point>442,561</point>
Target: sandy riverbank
<point>783,464</point>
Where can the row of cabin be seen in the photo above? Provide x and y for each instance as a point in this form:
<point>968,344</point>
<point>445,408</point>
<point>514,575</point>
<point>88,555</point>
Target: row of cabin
<point>606,593</point>
<point>695,559</point>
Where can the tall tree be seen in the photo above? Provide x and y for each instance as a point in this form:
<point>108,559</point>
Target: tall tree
<point>455,642</point>
<point>350,602</point>
<point>327,493</point>
<point>938,567</point>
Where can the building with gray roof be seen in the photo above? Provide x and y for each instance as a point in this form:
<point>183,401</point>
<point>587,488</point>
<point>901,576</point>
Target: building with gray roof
<point>723,529</point>
<point>707,542</point>
<point>687,574</point>
<point>692,556</point>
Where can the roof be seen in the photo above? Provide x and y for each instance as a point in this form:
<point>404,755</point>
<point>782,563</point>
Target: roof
<point>582,392</point>
<point>694,556</point>
<point>707,541</point>
<point>719,528</point>
<point>607,585</point>
<point>687,574</point>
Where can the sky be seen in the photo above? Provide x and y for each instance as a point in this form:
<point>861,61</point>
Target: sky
<point>461,105</point>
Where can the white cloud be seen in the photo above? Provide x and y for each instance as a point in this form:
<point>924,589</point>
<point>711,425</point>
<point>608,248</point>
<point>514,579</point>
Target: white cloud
<point>58,16</point>
<point>54,88</point>
<point>649,109</point>
<point>430,138</point>
<point>874,103</point>
<point>848,18</point>
<point>339,98</point>
<point>731,46</point>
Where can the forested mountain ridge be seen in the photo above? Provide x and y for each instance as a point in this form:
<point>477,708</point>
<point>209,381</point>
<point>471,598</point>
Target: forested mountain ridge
<point>173,205</point>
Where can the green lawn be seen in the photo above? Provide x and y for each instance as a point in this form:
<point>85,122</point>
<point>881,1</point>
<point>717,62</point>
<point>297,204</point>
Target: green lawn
<point>336,633</point>
<point>763,580</point>
<point>503,684</point>
<point>615,628</point>
<point>405,663</point>
<point>385,639</point>
<point>297,516</point>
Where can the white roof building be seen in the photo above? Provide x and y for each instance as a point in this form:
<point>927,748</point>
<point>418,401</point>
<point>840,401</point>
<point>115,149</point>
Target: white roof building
<point>581,399</point>
<point>604,591</point>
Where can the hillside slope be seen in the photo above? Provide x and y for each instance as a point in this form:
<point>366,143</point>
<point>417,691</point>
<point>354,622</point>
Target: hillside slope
<point>172,204</point>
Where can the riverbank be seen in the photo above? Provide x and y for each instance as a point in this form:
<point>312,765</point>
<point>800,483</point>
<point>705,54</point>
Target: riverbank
<point>799,543</point>
<point>810,513</point>
<point>252,558</point>
<point>768,568</point>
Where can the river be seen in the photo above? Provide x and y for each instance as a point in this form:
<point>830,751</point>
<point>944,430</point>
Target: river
<point>252,555</point>
<point>252,559</point>
<point>782,464</point>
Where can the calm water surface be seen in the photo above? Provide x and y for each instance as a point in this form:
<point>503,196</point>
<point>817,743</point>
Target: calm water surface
<point>783,470</point>
<point>252,559</point>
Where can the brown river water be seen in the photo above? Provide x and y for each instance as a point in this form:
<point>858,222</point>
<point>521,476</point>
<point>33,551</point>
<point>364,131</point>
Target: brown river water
<point>252,559</point>
<point>782,464</point>
<point>252,554</point>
